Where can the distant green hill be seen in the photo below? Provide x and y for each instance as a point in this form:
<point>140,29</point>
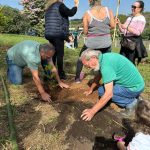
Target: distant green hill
<point>75,23</point>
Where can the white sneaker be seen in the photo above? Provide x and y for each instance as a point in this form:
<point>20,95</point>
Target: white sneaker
<point>77,81</point>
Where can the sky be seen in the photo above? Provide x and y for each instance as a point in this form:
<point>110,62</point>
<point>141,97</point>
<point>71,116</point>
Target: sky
<point>125,6</point>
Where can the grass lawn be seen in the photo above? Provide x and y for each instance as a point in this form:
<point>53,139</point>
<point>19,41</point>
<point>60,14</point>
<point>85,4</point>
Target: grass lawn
<point>71,56</point>
<point>11,39</point>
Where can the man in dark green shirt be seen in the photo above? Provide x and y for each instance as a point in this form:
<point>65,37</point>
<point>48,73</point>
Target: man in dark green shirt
<point>76,34</point>
<point>31,54</point>
<point>122,81</point>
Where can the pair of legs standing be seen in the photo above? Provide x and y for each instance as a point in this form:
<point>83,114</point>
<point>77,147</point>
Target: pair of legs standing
<point>76,42</point>
<point>59,55</point>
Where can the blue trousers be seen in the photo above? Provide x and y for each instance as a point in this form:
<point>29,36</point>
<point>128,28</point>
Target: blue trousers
<point>122,96</point>
<point>15,73</point>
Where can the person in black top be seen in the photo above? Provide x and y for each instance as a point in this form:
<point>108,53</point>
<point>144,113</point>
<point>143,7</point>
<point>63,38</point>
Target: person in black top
<point>57,29</point>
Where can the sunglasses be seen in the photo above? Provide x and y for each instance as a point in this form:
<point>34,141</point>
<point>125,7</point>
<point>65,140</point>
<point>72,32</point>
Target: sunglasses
<point>134,7</point>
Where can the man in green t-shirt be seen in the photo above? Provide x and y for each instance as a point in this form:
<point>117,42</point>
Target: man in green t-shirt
<point>122,82</point>
<point>31,54</point>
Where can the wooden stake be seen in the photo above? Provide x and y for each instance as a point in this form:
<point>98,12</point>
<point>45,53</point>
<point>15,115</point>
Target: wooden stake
<point>116,17</point>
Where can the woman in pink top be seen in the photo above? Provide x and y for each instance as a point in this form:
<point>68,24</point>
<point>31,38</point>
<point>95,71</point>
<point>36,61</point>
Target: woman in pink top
<point>133,28</point>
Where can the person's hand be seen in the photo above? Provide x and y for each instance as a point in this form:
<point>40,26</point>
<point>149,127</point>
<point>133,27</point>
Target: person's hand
<point>87,114</point>
<point>63,85</point>
<point>88,92</point>
<point>46,97</point>
<point>117,21</point>
<point>121,145</point>
<point>123,26</point>
<point>76,2</point>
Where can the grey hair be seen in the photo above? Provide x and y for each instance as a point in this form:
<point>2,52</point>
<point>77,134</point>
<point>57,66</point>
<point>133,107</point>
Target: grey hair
<point>87,54</point>
<point>47,47</point>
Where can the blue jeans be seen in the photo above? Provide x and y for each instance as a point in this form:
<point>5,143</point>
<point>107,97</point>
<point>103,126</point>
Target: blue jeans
<point>14,72</point>
<point>122,96</point>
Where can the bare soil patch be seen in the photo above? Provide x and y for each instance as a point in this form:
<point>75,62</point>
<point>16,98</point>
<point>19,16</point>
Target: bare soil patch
<point>58,125</point>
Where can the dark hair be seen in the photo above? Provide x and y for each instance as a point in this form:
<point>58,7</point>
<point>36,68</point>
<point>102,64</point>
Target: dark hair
<point>141,5</point>
<point>47,47</point>
<point>143,116</point>
<point>143,112</point>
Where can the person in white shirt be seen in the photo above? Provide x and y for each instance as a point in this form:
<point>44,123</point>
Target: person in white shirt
<point>141,140</point>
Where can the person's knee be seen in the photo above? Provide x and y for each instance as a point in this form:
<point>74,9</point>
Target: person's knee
<point>16,82</point>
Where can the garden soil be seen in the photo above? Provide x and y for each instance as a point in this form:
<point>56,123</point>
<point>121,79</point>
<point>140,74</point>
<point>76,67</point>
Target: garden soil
<point>58,125</point>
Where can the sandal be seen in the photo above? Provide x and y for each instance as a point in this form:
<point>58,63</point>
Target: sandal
<point>118,138</point>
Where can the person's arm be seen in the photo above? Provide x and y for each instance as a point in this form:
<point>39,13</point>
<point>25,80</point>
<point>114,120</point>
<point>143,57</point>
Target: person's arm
<point>121,145</point>
<point>65,11</point>
<point>85,24</point>
<point>95,83</point>
<point>45,96</point>
<point>121,26</point>
<point>54,70</point>
<point>112,20</point>
<point>136,29</point>
<point>88,114</point>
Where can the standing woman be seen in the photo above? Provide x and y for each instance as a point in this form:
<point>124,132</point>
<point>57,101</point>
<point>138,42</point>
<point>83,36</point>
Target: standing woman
<point>133,28</point>
<point>97,23</point>
<point>57,29</point>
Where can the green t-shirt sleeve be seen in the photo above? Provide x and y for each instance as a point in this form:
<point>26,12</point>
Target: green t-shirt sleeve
<point>33,64</point>
<point>108,74</point>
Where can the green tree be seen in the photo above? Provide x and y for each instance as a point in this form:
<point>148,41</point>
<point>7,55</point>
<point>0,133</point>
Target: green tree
<point>19,25</point>
<point>12,21</point>
<point>35,9</point>
<point>122,18</point>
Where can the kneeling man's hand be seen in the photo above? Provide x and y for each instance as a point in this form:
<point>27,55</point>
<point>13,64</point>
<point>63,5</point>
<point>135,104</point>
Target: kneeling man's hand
<point>46,97</point>
<point>63,85</point>
<point>88,92</point>
<point>87,114</point>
